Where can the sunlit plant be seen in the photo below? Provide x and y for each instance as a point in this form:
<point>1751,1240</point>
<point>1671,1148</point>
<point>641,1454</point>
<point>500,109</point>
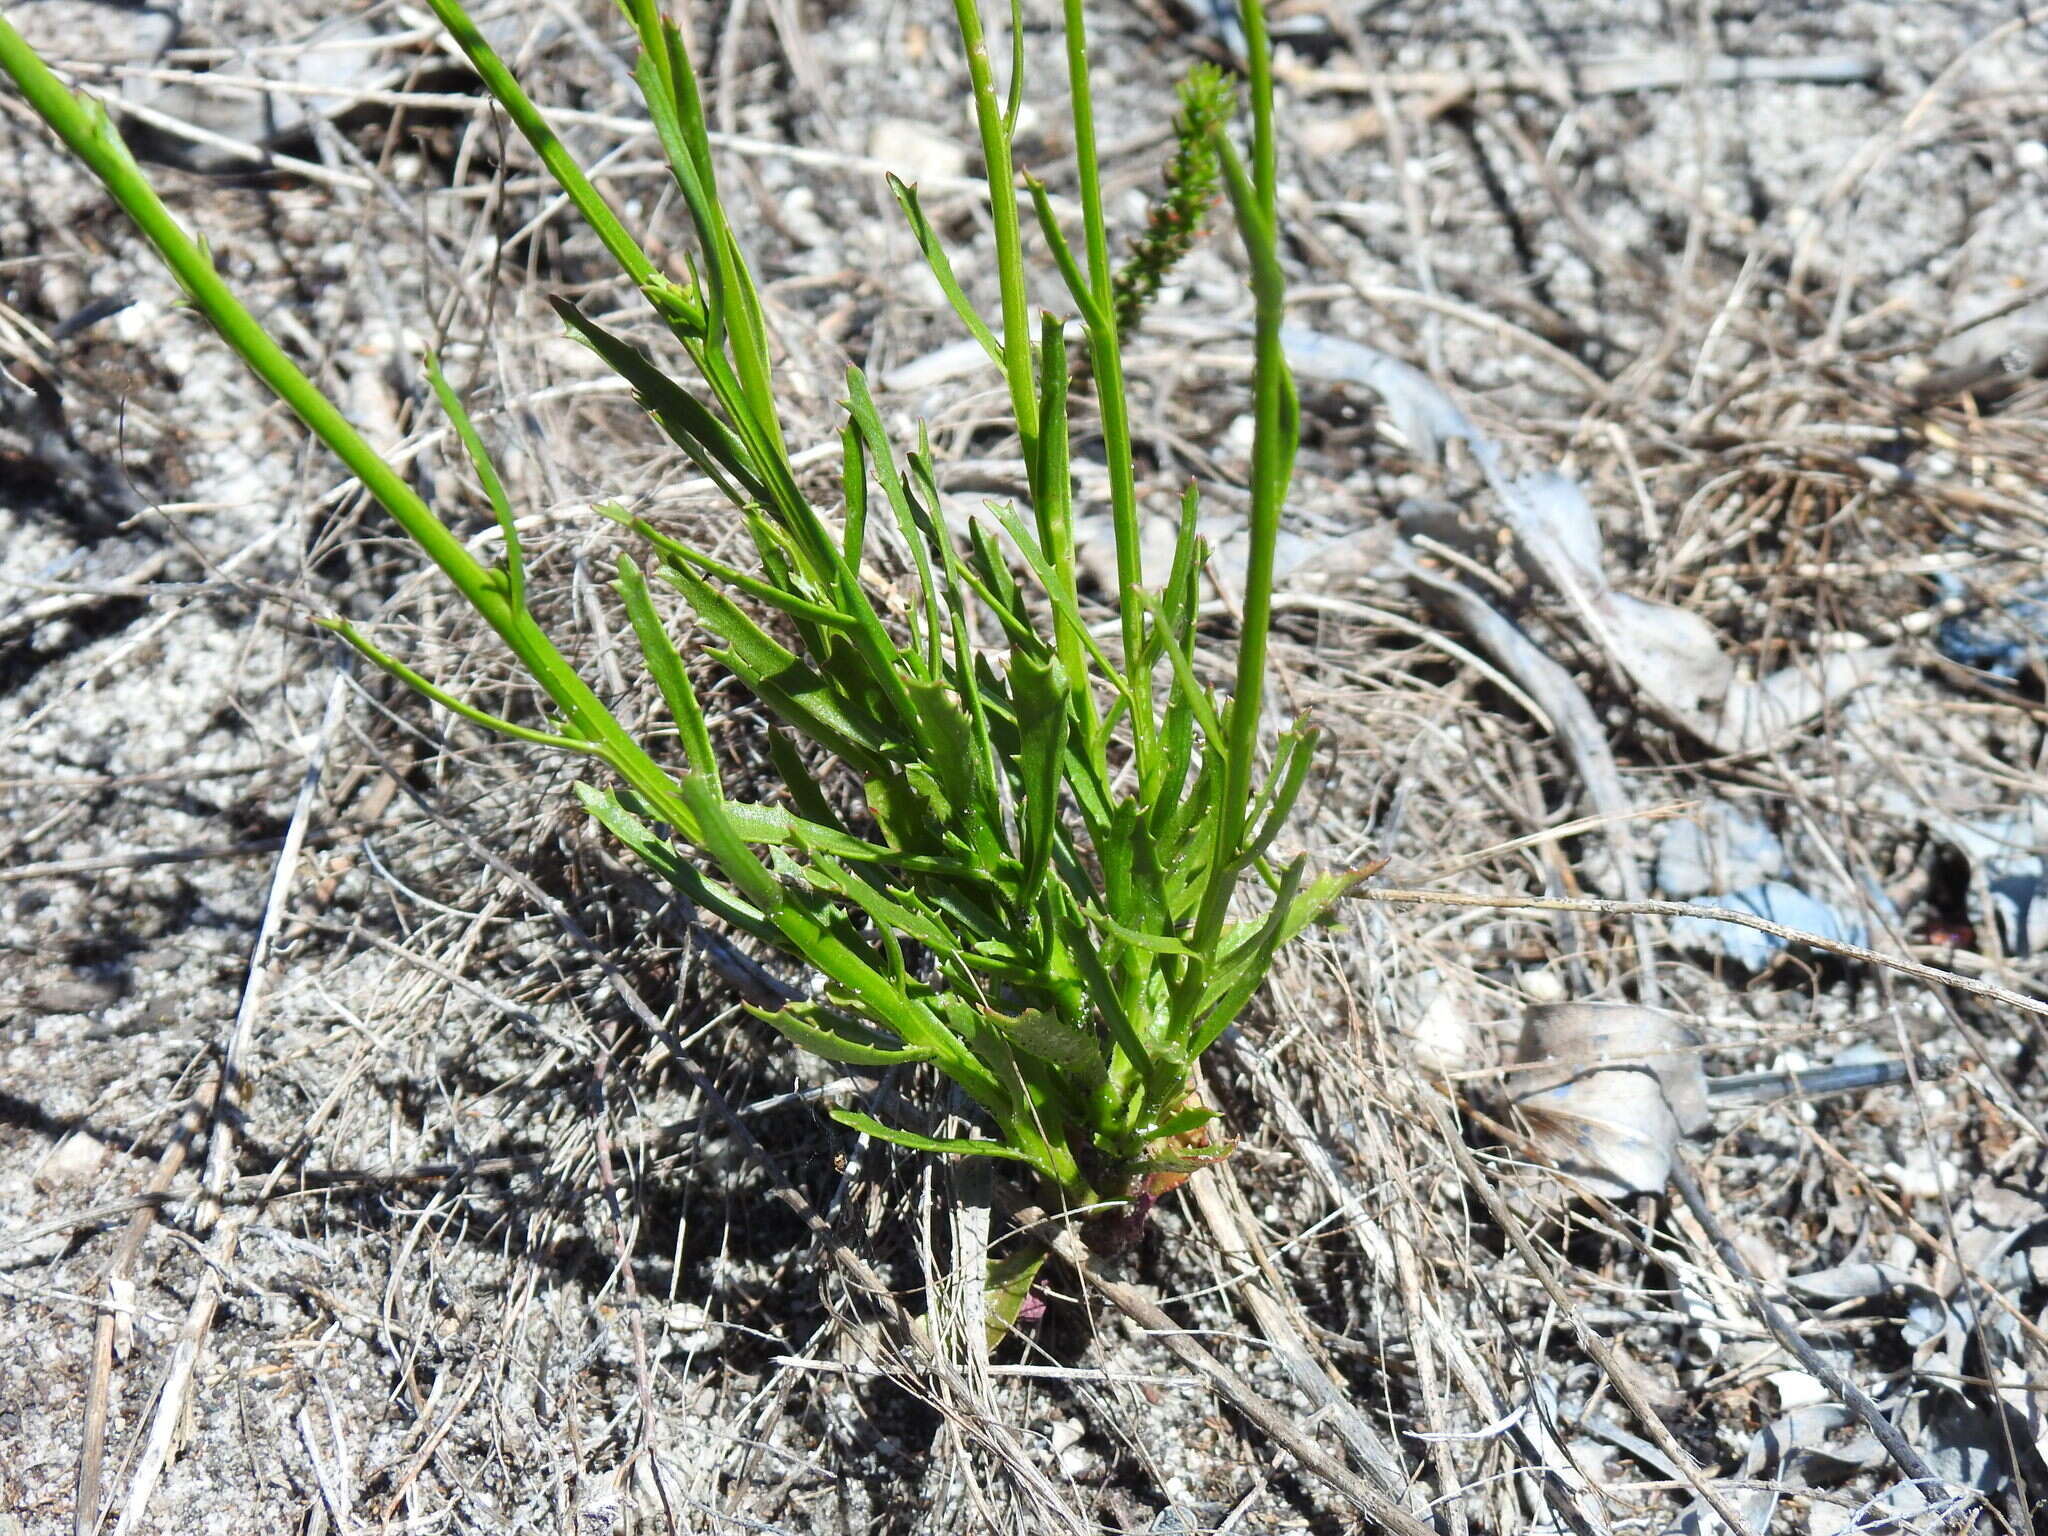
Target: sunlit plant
<point>1037,897</point>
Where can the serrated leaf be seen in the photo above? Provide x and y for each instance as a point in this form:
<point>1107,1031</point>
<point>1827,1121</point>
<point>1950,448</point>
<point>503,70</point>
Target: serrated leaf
<point>1043,1034</point>
<point>711,445</point>
<point>1099,985</point>
<point>826,1032</point>
<point>953,759</point>
<point>1038,694</point>
<point>897,910</point>
<point>798,695</point>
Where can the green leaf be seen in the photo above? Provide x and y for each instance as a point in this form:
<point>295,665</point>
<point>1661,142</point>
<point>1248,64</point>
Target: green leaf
<point>1183,832</point>
<point>776,595</point>
<point>1099,986</point>
<point>898,910</point>
<point>1164,795</point>
<point>1151,943</point>
<point>1044,1035</point>
<point>935,257</point>
<point>1190,690</point>
<point>958,1146</point>
<point>1011,1276</point>
<point>664,860</point>
<point>1116,850</point>
<point>1252,958</point>
<point>1180,598</point>
<point>800,781</point>
<point>951,756</point>
<point>383,659</point>
<point>1057,592</point>
<point>487,475</point>
<point>860,409</point>
<point>997,586</point>
<point>1296,751</point>
<point>1038,690</point>
<point>799,696</point>
<point>826,1032</point>
<point>1053,484</point>
<point>853,480</point>
<point>721,839</point>
<point>1078,287</point>
<point>659,652</point>
<point>1180,1124</point>
<point>711,445</point>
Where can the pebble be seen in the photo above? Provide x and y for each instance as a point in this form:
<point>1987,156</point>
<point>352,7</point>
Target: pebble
<point>74,1160</point>
<point>914,153</point>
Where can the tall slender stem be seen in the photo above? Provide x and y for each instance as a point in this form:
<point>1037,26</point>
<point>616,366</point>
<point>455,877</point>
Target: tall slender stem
<point>1086,163</point>
<point>526,117</point>
<point>1002,206</point>
<point>1106,352</point>
<point>1257,200</point>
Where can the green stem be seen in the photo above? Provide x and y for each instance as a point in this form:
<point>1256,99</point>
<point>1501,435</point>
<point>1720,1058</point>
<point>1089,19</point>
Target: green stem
<point>1087,168</point>
<point>526,117</point>
<point>1257,205</point>
<point>1106,353</point>
<point>1002,204</point>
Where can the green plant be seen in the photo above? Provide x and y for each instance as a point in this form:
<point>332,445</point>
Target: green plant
<point>1037,901</point>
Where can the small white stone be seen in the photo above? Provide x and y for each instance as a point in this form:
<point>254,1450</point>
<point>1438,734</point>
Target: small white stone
<point>1796,1389</point>
<point>74,1160</point>
<point>121,1297</point>
<point>915,153</point>
<point>692,1330</point>
<point>135,322</point>
<point>2031,155</point>
<point>1917,1177</point>
<point>1442,1036</point>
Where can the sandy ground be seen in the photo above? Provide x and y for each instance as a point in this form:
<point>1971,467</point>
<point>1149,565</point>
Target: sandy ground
<point>470,1242</point>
